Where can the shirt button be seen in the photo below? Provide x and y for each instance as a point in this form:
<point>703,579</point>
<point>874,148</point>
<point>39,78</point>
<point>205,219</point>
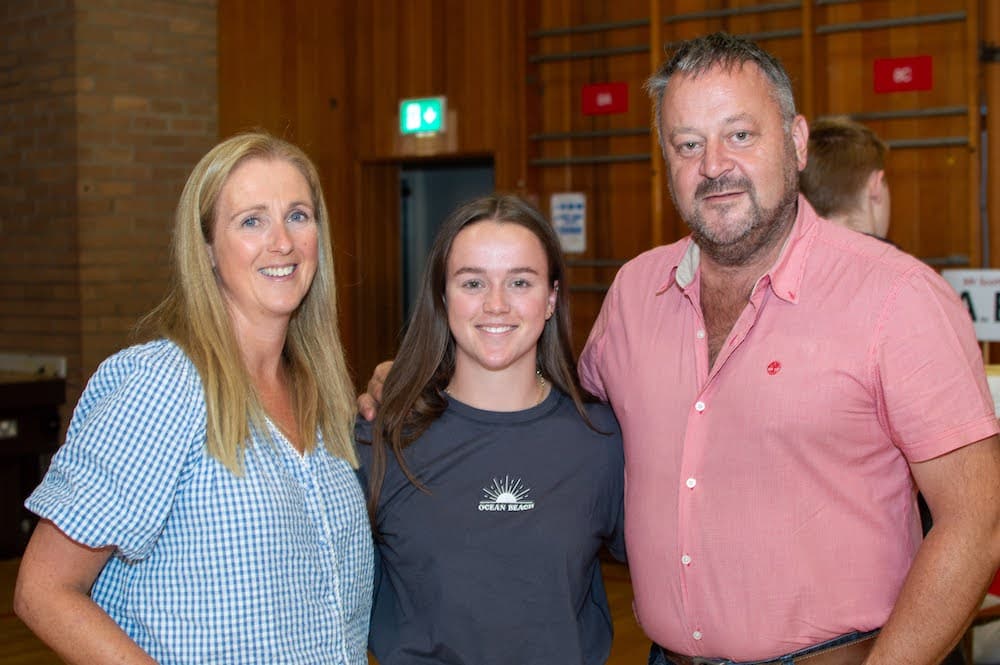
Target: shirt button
<point>686,560</point>
<point>700,334</point>
<point>691,482</point>
<point>699,406</point>
<point>696,634</point>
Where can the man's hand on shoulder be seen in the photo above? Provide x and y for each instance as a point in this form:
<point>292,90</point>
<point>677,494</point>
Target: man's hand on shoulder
<point>369,401</point>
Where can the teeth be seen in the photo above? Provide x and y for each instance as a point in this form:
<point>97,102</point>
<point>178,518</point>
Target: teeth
<point>278,272</point>
<point>497,329</point>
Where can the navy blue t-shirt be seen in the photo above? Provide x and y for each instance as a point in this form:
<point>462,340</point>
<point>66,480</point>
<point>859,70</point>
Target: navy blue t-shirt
<point>499,563</point>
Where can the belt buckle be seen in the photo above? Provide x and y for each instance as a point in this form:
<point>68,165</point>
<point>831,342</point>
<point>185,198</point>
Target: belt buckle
<point>698,660</point>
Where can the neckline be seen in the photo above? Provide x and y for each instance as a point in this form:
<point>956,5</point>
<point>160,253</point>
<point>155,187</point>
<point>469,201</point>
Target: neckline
<point>541,382</point>
<point>540,410</point>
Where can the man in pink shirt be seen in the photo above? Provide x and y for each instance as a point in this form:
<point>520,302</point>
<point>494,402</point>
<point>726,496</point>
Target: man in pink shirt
<point>784,386</point>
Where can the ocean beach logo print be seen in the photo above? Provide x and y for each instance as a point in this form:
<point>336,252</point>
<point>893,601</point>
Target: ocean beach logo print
<point>506,496</point>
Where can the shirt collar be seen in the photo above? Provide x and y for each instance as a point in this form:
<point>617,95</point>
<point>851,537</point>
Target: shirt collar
<point>784,277</point>
<point>787,272</point>
<point>683,272</point>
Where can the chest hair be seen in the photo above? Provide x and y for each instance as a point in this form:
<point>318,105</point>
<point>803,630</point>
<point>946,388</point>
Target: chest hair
<point>721,306</point>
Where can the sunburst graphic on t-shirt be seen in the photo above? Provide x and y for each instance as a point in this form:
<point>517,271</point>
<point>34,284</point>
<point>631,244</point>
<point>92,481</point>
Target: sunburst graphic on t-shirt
<point>506,496</point>
<point>506,491</point>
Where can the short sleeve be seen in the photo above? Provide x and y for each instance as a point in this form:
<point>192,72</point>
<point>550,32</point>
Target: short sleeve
<point>591,359</point>
<point>930,369</point>
<point>135,428</point>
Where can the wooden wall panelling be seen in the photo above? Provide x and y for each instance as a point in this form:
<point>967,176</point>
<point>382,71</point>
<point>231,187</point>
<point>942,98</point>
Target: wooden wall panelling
<point>379,77</point>
<point>324,119</point>
<point>373,70</point>
<point>976,150</point>
<point>991,97</point>
<point>379,311</point>
<point>375,318</point>
<point>470,52</point>
<point>495,80</point>
<point>284,67</point>
<point>807,88</point>
<point>934,187</point>
<point>571,45</point>
<point>473,54</point>
<point>657,170</point>
<point>777,26</point>
<point>250,68</point>
<point>477,54</point>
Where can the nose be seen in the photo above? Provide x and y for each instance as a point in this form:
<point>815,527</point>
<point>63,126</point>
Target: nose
<point>281,239</point>
<point>715,160</point>
<point>495,301</point>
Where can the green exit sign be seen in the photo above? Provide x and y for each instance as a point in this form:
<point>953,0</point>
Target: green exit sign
<point>422,116</point>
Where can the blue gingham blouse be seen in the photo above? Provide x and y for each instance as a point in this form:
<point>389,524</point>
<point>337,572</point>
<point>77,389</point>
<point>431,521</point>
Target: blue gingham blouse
<point>274,566</point>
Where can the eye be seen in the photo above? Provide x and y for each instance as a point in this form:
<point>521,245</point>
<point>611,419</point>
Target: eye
<point>686,148</point>
<point>741,136</point>
<point>250,222</point>
<point>298,216</point>
<point>472,284</point>
<point>520,283</point>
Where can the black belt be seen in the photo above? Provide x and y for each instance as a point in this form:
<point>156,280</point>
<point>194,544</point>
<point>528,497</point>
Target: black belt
<point>848,652</point>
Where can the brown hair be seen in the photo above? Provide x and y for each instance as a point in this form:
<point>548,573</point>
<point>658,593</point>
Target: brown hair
<point>413,394</point>
<point>842,155</point>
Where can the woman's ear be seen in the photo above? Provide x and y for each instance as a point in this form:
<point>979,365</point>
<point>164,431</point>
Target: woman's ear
<point>553,296</point>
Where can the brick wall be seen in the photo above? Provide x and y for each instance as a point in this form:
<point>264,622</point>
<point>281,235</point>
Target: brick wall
<point>146,112</point>
<point>105,105</point>
<point>39,291</point>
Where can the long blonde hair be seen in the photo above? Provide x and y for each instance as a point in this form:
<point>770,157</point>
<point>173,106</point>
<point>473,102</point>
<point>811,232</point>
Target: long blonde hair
<point>194,316</point>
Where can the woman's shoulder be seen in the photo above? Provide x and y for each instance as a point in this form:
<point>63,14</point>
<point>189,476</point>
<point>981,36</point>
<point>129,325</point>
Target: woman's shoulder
<point>156,351</point>
<point>603,424</point>
<point>157,365</point>
<point>156,355</point>
<point>602,416</point>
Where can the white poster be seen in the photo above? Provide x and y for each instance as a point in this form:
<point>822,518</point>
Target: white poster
<point>980,292</point>
<point>569,217</point>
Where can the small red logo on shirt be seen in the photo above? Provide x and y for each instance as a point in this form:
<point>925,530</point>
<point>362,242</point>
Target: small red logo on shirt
<point>773,367</point>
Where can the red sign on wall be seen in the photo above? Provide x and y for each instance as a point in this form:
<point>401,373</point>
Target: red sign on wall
<point>600,98</point>
<point>904,74</point>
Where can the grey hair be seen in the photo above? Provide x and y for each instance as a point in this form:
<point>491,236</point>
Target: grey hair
<point>720,49</point>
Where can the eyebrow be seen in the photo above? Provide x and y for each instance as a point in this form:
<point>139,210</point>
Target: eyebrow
<point>729,120</point>
<point>473,270</point>
<point>260,207</point>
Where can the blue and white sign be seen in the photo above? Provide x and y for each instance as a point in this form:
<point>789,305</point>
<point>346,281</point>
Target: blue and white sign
<point>569,217</point>
<point>980,291</point>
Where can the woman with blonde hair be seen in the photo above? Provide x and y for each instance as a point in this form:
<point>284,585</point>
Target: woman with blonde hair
<point>205,507</point>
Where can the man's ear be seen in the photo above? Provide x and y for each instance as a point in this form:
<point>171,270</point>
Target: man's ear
<point>800,139</point>
<point>876,185</point>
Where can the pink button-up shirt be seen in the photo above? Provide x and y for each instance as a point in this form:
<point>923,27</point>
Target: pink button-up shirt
<point>769,503</point>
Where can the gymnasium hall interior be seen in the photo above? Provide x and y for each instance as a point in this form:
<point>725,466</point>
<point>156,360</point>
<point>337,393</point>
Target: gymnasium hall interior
<point>408,108</point>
